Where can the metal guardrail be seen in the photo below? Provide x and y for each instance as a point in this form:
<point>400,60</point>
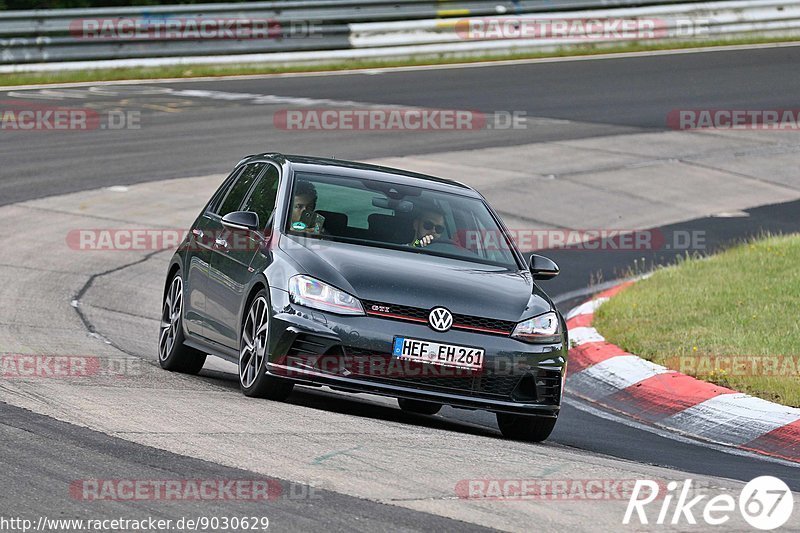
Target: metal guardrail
<point>35,36</point>
<point>332,30</point>
<point>698,21</point>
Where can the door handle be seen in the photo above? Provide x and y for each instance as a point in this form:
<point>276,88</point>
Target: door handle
<point>221,242</point>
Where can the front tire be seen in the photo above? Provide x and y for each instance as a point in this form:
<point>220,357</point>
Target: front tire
<point>419,407</point>
<point>172,353</point>
<point>253,378</point>
<point>526,428</point>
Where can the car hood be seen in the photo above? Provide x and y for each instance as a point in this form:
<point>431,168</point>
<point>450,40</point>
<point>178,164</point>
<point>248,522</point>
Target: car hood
<point>419,280</point>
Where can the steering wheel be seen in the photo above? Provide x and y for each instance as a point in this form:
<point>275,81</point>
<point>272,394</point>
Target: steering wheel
<point>443,243</point>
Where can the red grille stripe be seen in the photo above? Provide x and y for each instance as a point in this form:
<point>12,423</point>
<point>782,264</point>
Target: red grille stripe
<point>423,321</point>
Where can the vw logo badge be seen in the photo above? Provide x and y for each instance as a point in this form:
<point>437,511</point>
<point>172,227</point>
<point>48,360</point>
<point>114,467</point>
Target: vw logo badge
<point>440,319</point>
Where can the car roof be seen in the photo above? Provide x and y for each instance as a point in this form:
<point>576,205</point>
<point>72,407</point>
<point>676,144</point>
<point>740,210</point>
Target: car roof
<point>365,170</point>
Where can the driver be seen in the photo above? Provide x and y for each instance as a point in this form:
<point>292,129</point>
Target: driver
<point>428,226</point>
<point>304,218</point>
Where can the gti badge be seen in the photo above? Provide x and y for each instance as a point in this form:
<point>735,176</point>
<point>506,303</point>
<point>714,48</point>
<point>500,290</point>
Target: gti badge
<point>440,319</point>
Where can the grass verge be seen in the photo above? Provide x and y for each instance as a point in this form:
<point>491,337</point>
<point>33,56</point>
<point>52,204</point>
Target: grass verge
<point>195,71</point>
<point>730,319</point>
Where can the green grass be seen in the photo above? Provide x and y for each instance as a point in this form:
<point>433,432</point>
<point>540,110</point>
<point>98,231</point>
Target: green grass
<point>742,302</point>
<point>193,71</point>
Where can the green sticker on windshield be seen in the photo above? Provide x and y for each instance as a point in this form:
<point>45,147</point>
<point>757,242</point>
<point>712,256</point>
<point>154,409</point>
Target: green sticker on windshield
<point>299,226</point>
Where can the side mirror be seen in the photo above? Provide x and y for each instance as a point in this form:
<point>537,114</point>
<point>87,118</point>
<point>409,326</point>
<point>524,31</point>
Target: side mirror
<point>241,220</point>
<point>543,268</point>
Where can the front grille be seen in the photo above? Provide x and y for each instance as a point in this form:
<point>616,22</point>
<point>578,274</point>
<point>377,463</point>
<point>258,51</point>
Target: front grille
<point>498,385</point>
<point>418,314</point>
<point>429,377</point>
<point>396,311</point>
<point>492,325</point>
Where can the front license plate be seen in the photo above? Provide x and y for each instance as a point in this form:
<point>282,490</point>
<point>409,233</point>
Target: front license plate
<point>441,354</point>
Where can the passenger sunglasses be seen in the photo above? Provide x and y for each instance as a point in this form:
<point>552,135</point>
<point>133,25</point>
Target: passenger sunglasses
<point>429,225</point>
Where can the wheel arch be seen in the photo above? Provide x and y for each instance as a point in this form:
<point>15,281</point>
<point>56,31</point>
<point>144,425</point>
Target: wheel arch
<point>258,285</point>
<point>174,267</point>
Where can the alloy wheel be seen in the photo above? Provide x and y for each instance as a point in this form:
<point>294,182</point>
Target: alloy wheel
<point>254,342</point>
<point>171,318</point>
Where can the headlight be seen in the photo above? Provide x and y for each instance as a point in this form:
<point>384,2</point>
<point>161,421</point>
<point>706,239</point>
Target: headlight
<point>542,328</point>
<point>310,292</point>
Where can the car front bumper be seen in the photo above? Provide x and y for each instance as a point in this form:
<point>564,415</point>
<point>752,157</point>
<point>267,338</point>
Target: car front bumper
<point>353,353</point>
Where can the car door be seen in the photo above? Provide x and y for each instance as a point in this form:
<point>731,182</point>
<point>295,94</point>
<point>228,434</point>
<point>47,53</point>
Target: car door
<point>198,259</point>
<point>229,273</point>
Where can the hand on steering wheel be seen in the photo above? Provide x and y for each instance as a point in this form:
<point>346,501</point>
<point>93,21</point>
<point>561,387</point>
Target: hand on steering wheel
<point>423,242</point>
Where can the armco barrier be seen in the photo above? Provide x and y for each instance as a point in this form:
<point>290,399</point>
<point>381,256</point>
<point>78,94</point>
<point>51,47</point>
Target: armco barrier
<point>310,31</point>
<point>50,36</point>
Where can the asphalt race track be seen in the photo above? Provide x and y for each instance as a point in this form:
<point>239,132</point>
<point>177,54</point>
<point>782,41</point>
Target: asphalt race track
<point>605,97</point>
<point>595,152</point>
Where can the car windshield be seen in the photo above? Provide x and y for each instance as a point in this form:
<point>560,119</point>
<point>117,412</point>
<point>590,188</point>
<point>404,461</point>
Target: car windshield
<point>397,216</point>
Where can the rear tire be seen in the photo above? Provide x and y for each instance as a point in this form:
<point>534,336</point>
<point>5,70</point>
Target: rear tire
<point>253,378</point>
<point>526,428</point>
<point>419,407</point>
<point>173,354</point>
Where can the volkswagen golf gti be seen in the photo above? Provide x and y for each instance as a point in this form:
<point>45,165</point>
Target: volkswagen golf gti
<point>319,272</point>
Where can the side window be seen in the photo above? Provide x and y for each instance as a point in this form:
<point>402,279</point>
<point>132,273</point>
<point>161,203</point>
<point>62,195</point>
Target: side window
<point>239,189</point>
<point>262,199</point>
<point>213,205</point>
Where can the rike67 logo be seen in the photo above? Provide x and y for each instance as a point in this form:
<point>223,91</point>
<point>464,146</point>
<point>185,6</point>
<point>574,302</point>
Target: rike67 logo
<point>765,503</point>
